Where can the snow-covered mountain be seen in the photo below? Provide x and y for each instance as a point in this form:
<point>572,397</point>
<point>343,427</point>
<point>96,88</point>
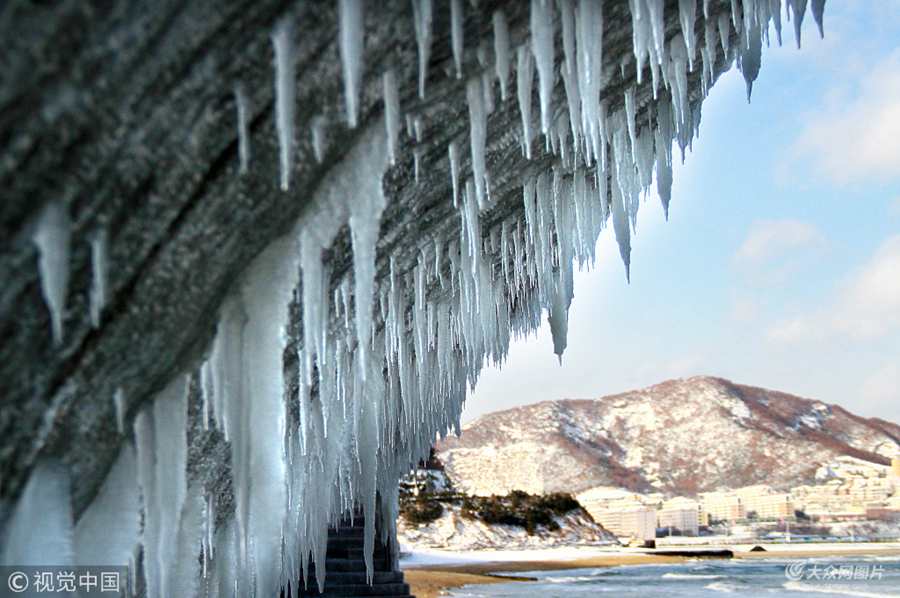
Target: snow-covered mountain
<point>681,436</point>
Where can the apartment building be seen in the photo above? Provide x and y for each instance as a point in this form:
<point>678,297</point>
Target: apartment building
<point>637,523</point>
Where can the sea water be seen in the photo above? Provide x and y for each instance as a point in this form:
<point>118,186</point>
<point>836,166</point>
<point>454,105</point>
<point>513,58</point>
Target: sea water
<point>774,578</point>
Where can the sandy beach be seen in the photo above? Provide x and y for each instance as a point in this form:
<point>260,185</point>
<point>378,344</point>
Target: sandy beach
<point>438,572</point>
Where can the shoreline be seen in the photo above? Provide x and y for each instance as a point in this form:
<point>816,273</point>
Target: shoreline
<point>431,580</point>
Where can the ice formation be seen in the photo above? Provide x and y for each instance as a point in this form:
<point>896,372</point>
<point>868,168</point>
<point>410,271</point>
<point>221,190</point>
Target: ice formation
<point>422,15</point>
<point>119,406</point>
<point>52,237</point>
<point>108,531</point>
<point>240,100</point>
<point>391,113</point>
<point>456,34</point>
<point>317,130</point>
<point>285,92</point>
<point>501,51</point>
<point>389,345</point>
<point>40,529</point>
<point>351,46</point>
<point>160,432</point>
<point>99,275</point>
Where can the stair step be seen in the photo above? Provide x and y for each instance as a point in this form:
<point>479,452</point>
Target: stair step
<point>343,564</point>
<point>352,565</point>
<point>356,577</point>
<point>386,589</point>
<point>352,552</point>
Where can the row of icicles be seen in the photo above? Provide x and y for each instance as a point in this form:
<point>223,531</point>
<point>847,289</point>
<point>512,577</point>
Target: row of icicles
<point>384,365</point>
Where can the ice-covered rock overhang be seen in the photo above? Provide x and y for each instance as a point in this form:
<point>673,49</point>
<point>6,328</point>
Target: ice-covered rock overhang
<point>253,253</point>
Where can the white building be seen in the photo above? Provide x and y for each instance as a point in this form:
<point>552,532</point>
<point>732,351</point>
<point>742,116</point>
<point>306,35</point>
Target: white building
<point>636,523</point>
<point>722,506</point>
<point>685,521</point>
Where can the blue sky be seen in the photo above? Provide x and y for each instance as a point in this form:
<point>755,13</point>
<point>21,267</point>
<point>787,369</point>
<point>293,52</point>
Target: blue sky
<point>780,263</point>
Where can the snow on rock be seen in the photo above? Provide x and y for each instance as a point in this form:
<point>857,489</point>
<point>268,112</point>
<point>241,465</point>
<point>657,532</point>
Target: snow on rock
<point>452,531</point>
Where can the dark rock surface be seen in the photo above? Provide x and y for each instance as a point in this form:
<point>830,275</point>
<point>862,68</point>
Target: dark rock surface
<point>125,112</point>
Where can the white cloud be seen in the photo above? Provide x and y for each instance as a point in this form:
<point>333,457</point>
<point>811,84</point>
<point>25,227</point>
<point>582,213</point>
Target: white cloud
<point>769,239</point>
<point>866,307</point>
<point>745,309</point>
<point>856,135</point>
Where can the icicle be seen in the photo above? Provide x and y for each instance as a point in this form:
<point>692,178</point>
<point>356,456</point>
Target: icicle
<point>351,46</point>
<point>542,48</point>
<point>629,111</point>
<point>205,392</point>
<point>391,114</point>
<point>52,237</point>
<point>317,128</point>
<point>640,28</point>
<point>589,41</point>
<point>678,54</point>
<point>663,142</point>
<point>240,101</point>
<point>456,34</point>
<point>417,158</point>
<point>258,440</point>
<point>724,32</point>
<point>39,530</point>
<point>818,11</point>
<point>501,51</point>
<point>620,225</point>
<point>365,221</point>
<point>119,404</point>
<point>750,57</point>
<point>99,272</point>
<point>478,136</point>
<point>798,10</point>
<point>524,83</point>
<point>109,529</point>
<point>160,433</point>
<point>687,14</point>
<point>570,71</point>
<point>453,150</point>
<point>655,11</point>
<point>422,16</point>
<point>285,92</point>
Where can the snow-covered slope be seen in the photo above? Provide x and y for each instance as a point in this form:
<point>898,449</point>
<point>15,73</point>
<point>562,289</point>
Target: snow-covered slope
<point>681,436</point>
<point>454,532</point>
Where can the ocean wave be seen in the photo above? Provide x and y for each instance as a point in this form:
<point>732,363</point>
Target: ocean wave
<point>573,579</point>
<point>827,589</point>
<point>718,586</point>
<point>691,576</point>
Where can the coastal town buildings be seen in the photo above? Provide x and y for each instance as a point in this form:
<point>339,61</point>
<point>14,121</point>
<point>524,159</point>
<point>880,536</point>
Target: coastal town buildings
<point>845,491</point>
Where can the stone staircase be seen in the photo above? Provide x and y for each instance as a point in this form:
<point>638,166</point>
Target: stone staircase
<point>346,567</point>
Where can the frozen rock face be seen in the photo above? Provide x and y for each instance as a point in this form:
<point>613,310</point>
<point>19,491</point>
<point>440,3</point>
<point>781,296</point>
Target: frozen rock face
<point>682,436</point>
<point>245,235</point>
